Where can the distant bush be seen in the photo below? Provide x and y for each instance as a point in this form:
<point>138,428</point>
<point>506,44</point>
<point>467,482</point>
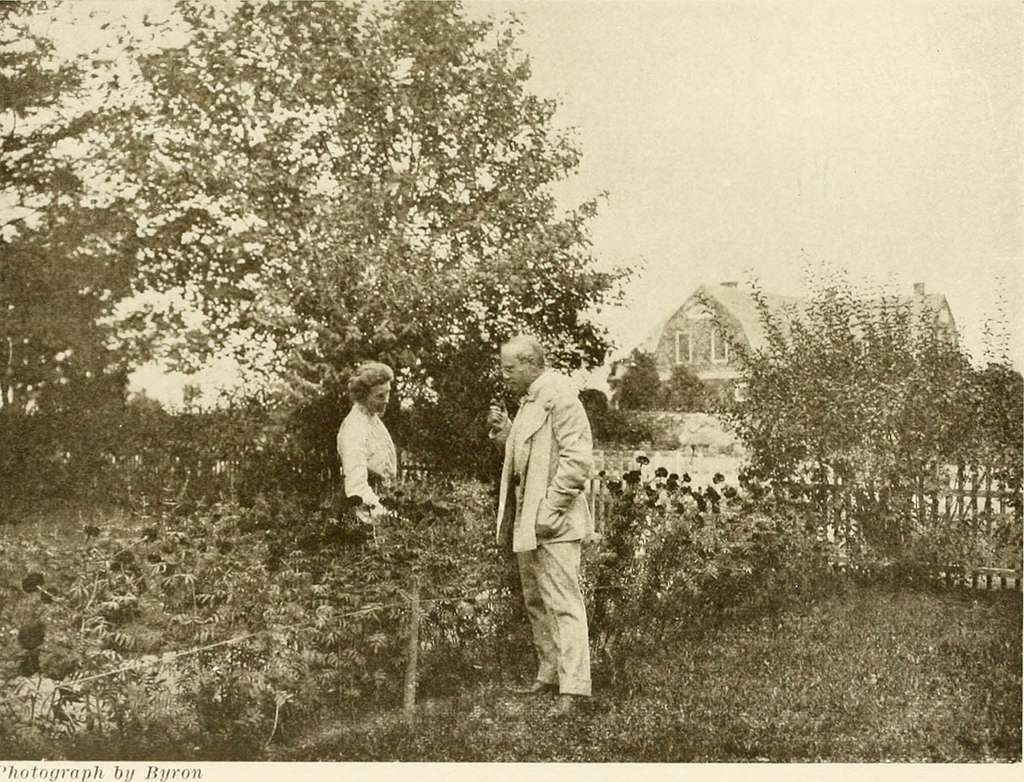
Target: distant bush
<point>639,388</point>
<point>684,392</point>
<point>140,449</point>
<point>616,427</point>
<point>872,389</point>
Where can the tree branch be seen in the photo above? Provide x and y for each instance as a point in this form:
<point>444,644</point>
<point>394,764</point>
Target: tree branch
<point>21,217</point>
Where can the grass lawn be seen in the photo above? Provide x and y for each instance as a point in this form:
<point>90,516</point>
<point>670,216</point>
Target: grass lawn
<point>874,674</point>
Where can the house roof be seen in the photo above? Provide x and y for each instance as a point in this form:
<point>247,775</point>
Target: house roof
<point>649,344</point>
<point>742,306</point>
<point>782,309</point>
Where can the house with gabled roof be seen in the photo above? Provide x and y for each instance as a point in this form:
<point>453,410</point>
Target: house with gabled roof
<point>689,337</point>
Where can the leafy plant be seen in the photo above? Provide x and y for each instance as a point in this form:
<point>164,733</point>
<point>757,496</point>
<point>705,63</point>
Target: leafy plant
<point>238,624</point>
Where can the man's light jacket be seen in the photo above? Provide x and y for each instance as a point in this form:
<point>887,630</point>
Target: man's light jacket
<point>548,458</point>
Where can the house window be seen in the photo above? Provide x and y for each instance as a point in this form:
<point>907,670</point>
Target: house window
<point>684,347</point>
<point>719,348</point>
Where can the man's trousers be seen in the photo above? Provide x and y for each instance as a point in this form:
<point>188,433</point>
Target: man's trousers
<point>554,605</point>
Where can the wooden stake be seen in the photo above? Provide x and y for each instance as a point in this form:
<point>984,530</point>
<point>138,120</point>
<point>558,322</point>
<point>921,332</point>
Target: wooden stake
<point>412,654</point>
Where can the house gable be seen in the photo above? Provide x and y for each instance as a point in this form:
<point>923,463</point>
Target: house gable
<point>691,338</point>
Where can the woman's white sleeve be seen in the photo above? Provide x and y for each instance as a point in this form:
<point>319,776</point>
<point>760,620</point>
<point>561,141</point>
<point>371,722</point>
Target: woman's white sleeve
<point>353,448</point>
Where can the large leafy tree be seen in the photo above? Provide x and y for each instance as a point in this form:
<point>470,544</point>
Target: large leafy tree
<point>58,274</point>
<point>338,181</point>
<point>60,269</point>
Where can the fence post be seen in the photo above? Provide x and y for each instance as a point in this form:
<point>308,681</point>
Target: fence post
<point>412,654</point>
<point>988,500</point>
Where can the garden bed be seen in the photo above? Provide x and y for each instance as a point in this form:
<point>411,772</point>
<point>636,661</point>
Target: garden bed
<point>221,632</point>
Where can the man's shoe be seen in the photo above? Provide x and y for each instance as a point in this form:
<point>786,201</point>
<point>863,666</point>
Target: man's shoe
<point>567,705</point>
<point>537,688</point>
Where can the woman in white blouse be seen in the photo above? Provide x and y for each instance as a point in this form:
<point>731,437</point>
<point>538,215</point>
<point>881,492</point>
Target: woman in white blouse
<point>368,458</point>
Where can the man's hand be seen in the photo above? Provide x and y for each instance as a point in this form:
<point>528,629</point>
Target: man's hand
<point>550,523</point>
<point>498,422</point>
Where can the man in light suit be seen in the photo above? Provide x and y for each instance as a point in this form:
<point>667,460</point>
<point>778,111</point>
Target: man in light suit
<point>543,512</point>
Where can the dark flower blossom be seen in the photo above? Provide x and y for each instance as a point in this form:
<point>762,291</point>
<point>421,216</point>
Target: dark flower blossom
<point>29,665</point>
<point>686,477</point>
<point>632,478</point>
<point>661,472</point>
<point>642,459</point>
<point>32,635</point>
<point>32,582</point>
<point>718,478</point>
<point>123,560</point>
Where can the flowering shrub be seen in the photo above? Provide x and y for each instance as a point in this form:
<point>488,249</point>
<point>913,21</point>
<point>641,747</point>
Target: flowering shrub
<point>672,553</point>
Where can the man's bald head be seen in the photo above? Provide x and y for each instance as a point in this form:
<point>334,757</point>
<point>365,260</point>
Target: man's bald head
<point>522,362</point>
<point>526,347</point>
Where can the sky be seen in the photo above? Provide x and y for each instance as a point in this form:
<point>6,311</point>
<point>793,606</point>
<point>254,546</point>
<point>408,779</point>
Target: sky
<point>752,139</point>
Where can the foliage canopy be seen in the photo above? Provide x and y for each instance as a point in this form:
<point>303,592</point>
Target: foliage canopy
<point>326,183</point>
<point>868,389</point>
